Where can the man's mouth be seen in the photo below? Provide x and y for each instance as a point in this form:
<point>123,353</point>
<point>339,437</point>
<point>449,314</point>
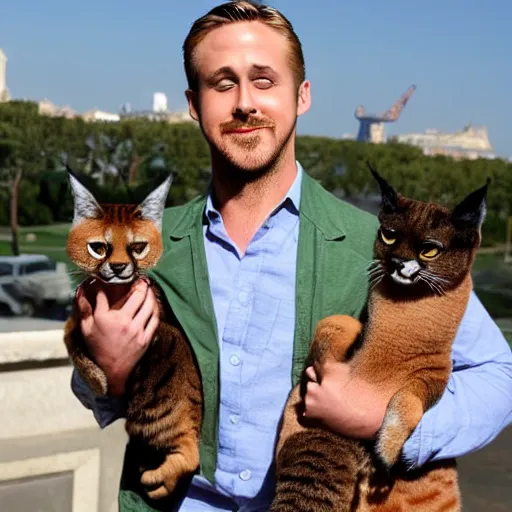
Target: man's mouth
<point>243,130</point>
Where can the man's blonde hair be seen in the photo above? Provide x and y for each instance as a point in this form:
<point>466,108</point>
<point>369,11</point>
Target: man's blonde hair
<point>235,11</point>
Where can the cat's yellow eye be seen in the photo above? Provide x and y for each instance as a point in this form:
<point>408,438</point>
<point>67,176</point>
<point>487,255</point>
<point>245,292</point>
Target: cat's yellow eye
<point>139,249</point>
<point>97,250</point>
<point>388,240</point>
<point>430,253</point>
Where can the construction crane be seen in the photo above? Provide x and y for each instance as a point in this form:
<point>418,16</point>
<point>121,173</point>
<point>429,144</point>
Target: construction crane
<point>371,127</point>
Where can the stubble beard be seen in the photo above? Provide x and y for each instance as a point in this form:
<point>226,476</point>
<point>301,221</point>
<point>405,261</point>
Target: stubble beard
<point>253,169</point>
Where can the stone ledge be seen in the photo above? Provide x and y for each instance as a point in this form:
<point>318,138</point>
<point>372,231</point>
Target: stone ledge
<point>40,402</point>
<point>21,346</point>
<point>85,466</point>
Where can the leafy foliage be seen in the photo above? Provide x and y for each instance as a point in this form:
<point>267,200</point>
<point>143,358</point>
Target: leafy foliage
<point>123,161</point>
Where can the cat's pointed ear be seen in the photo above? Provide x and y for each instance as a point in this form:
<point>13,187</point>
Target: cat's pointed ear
<point>471,211</point>
<point>85,205</point>
<point>388,193</point>
<point>152,208</point>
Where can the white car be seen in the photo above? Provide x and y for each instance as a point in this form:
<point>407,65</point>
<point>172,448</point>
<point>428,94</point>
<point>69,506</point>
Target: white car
<point>29,282</point>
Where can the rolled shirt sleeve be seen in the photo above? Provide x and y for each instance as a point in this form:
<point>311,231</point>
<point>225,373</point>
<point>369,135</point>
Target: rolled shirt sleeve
<point>477,403</point>
<point>106,409</point>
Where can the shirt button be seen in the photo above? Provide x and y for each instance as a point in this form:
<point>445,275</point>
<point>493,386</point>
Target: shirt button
<point>234,419</point>
<point>234,360</point>
<point>243,297</point>
<point>245,475</point>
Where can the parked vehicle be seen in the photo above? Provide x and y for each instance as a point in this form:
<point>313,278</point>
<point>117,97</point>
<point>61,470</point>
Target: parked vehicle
<point>30,283</point>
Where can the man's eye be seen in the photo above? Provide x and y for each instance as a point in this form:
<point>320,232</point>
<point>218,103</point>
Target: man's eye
<point>263,83</point>
<point>224,84</point>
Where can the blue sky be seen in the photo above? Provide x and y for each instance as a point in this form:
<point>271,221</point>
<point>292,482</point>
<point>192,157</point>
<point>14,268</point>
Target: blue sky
<point>103,53</point>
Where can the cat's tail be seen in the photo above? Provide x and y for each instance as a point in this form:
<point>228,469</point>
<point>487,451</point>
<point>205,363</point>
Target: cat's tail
<point>319,471</point>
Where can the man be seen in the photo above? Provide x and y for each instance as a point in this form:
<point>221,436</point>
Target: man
<point>249,270</point>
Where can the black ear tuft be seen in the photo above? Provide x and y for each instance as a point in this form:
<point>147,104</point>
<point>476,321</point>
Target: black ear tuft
<point>470,212</point>
<point>389,196</point>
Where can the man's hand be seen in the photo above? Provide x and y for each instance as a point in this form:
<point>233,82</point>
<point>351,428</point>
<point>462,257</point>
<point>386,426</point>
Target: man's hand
<point>343,403</point>
<point>118,333</point>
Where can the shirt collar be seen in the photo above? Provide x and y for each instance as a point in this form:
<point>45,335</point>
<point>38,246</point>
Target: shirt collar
<point>291,200</point>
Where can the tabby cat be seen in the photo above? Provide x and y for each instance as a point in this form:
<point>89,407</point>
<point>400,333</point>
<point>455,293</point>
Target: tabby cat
<point>116,244</point>
<point>420,283</point>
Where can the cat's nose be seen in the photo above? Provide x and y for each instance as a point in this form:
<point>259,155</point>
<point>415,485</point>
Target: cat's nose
<point>398,263</point>
<point>117,268</point>
<point>410,269</point>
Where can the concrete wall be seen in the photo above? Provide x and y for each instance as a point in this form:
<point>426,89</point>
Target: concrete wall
<point>53,456</point>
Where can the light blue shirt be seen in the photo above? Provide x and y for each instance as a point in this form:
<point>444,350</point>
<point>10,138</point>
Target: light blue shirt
<point>254,297</point>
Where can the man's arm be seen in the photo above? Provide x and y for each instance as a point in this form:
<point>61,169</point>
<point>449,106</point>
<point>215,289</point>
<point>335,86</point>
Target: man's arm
<point>106,409</point>
<point>477,404</point>
<point>475,408</point>
<point>116,338</point>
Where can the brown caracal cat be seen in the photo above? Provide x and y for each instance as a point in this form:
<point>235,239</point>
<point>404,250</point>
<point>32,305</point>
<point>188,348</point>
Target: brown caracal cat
<point>420,283</point>
<point>116,243</point>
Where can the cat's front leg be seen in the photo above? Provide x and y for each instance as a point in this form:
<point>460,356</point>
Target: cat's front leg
<point>92,374</point>
<point>402,415</point>
<point>179,464</point>
<point>334,336</point>
<point>404,412</point>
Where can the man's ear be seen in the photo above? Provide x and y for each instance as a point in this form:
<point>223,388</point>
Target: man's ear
<point>304,97</point>
<point>192,104</point>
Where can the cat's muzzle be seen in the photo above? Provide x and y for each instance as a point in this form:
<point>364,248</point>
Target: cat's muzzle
<point>405,271</point>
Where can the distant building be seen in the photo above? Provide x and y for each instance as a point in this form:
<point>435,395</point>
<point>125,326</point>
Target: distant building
<point>470,143</point>
<point>99,115</point>
<point>170,117</point>
<point>4,92</point>
<point>160,111</point>
<point>159,102</point>
<point>47,108</point>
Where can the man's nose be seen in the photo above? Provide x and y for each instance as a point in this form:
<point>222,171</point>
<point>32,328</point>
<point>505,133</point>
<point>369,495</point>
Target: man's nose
<point>244,112</point>
<point>245,102</point>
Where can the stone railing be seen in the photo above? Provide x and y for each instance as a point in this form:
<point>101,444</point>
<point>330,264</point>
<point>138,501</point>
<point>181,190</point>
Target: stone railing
<point>53,455</point>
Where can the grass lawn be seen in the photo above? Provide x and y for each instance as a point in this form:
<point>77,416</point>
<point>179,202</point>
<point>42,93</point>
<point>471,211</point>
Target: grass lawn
<point>50,240</point>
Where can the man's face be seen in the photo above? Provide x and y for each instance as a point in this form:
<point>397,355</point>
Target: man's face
<point>247,101</point>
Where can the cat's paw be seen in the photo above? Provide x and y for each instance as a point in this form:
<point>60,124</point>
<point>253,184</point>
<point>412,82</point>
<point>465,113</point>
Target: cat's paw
<point>334,336</point>
<point>158,483</point>
<point>402,416</point>
<point>391,438</point>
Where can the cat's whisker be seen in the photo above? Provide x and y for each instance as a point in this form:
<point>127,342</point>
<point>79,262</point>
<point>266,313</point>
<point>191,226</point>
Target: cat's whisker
<point>375,274</point>
<point>376,271</point>
<point>429,284</point>
<point>376,278</point>
<point>377,268</point>
<point>439,281</point>
<point>435,287</point>
<point>437,278</point>
<point>442,283</point>
<point>374,264</point>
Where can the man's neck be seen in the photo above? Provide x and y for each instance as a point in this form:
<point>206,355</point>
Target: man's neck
<point>244,206</point>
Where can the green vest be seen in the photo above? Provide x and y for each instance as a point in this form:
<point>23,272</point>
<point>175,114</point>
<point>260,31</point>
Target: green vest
<point>335,248</point>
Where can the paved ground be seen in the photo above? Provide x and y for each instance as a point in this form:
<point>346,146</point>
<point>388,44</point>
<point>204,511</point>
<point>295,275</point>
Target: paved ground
<point>14,324</point>
<point>486,477</point>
